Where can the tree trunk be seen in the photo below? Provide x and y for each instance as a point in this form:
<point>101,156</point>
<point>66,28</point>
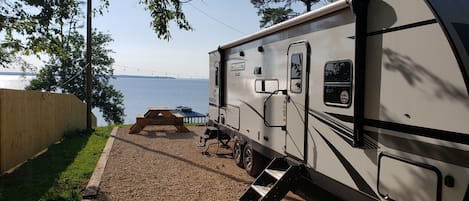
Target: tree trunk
<point>308,5</point>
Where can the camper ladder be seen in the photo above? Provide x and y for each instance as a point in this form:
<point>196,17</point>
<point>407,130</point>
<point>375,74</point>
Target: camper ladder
<point>274,182</point>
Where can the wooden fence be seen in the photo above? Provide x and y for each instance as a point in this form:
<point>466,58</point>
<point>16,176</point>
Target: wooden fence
<point>30,121</point>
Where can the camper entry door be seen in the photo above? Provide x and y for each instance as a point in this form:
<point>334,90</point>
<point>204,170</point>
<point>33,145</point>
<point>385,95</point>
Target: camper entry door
<point>297,90</point>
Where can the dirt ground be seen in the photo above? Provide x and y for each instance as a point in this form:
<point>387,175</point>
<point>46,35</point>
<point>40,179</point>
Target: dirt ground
<point>162,164</point>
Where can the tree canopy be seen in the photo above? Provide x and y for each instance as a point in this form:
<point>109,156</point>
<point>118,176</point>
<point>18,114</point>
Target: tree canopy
<point>275,11</point>
<point>65,73</point>
<point>164,12</point>
<point>35,27</point>
<point>49,28</point>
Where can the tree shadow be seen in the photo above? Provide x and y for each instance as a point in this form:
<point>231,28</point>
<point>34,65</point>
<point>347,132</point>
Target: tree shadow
<point>102,196</point>
<point>34,179</point>
<point>165,133</point>
<point>418,76</point>
<point>196,165</point>
<point>399,187</point>
<point>416,176</point>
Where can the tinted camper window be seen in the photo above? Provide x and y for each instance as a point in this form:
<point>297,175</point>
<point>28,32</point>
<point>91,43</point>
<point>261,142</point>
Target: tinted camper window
<point>337,72</point>
<point>296,68</point>
<point>338,83</point>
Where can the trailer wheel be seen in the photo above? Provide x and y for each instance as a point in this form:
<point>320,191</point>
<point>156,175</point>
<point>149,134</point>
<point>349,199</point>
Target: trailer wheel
<point>252,160</point>
<point>238,154</point>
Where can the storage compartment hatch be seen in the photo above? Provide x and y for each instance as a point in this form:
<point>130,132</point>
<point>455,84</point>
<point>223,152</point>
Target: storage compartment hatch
<point>402,179</point>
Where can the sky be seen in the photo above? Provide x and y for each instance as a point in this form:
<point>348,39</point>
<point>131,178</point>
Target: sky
<point>139,52</point>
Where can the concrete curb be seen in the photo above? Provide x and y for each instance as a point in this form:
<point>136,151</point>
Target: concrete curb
<point>91,190</point>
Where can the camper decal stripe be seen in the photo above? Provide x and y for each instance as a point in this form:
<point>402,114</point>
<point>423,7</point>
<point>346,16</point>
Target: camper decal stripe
<point>433,151</point>
<point>407,26</point>
<point>252,108</point>
<point>420,131</point>
<point>334,120</point>
<point>346,129</point>
<point>346,118</point>
<point>348,140</point>
<point>333,127</point>
<point>356,177</point>
<point>450,35</point>
<point>332,123</point>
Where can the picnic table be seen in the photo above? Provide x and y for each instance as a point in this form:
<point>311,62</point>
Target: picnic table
<point>159,116</point>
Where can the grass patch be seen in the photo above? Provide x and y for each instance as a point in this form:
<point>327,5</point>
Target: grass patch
<point>59,174</point>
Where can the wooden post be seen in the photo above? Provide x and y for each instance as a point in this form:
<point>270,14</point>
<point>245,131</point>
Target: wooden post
<point>88,66</point>
<point>308,5</point>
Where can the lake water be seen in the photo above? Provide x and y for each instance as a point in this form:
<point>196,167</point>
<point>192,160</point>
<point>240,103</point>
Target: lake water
<point>14,81</point>
<point>141,93</point>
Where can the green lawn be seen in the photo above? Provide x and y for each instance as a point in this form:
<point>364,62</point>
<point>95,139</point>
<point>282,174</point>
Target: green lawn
<point>59,174</point>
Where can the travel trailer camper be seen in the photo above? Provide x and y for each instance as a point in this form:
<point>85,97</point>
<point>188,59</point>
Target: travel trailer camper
<point>367,100</point>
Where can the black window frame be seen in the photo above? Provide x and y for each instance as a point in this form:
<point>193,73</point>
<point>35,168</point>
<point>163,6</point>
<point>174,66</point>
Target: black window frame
<point>348,84</point>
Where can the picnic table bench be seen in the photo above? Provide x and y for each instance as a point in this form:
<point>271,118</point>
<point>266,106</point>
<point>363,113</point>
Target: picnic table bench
<point>158,116</point>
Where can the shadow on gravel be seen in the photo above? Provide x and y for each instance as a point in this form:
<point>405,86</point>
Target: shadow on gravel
<point>183,160</point>
<point>102,196</point>
<point>170,134</point>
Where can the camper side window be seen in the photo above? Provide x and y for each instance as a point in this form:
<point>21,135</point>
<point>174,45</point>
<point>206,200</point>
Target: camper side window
<point>296,68</point>
<point>338,83</point>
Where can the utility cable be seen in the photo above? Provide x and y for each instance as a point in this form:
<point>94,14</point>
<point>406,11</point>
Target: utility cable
<point>215,19</point>
<point>73,77</point>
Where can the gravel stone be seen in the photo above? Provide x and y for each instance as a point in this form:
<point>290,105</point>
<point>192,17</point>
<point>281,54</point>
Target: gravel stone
<point>162,164</point>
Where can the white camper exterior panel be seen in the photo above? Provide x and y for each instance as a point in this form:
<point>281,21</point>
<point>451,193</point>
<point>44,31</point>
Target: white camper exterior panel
<point>421,83</point>
<point>385,14</point>
<point>416,101</point>
<point>213,93</point>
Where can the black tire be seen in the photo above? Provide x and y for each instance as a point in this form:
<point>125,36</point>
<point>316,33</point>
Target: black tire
<point>252,160</point>
<point>238,154</point>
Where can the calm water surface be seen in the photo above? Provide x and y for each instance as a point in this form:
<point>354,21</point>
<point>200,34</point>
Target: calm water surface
<point>141,93</point>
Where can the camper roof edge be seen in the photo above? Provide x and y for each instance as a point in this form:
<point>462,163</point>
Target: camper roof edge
<point>338,5</point>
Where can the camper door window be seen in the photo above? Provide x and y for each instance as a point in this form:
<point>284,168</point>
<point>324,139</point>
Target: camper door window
<point>296,68</point>
<point>338,83</point>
